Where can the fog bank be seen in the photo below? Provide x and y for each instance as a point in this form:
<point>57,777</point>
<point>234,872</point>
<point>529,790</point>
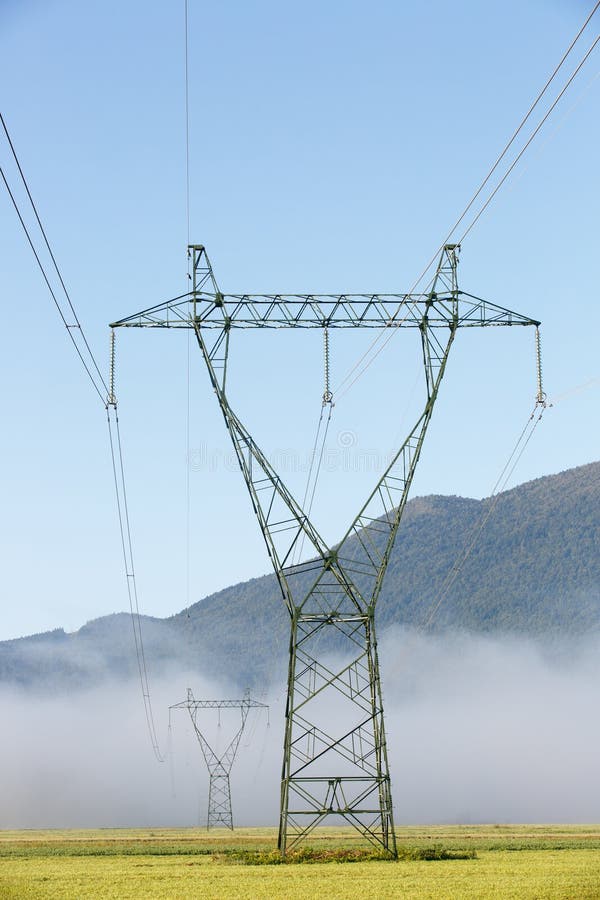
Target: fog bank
<point>479,730</point>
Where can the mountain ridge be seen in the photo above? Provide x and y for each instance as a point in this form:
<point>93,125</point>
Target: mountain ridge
<point>534,570</point>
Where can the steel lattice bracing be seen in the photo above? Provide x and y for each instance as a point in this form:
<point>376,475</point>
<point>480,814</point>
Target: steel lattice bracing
<point>219,765</point>
<point>333,765</point>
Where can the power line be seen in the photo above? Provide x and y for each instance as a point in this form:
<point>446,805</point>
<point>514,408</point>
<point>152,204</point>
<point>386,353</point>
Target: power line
<point>52,294</point>
<point>509,144</point>
<point>318,450</point>
<point>560,124</point>
<point>107,398</point>
<point>116,452</point>
<point>471,542</point>
<point>188,505</point>
<point>382,340</point>
<point>501,483</point>
<point>187,120</point>
<point>97,380</point>
<point>530,139</point>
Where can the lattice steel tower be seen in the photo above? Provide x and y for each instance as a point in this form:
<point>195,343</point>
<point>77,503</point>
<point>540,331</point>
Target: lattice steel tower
<point>219,765</point>
<point>330,770</point>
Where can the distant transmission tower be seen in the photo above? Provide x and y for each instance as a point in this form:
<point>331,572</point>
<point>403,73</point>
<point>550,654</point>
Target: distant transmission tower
<point>333,766</point>
<point>219,765</point>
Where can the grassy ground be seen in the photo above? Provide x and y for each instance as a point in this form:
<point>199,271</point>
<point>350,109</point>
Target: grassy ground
<point>558,862</point>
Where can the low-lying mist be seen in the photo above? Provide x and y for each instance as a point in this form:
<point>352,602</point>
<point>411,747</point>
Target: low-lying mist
<point>480,729</point>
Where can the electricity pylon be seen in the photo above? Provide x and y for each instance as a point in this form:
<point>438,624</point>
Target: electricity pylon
<point>332,765</point>
<point>219,765</point>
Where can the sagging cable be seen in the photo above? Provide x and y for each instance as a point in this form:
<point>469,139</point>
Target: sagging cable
<point>118,468</point>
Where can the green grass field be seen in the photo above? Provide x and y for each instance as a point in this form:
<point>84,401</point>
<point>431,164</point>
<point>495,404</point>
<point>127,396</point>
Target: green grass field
<point>499,861</point>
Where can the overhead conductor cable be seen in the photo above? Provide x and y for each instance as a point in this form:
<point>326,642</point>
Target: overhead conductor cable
<point>382,339</point>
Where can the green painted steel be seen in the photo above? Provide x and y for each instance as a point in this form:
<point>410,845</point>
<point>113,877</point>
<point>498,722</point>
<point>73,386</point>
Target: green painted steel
<point>335,763</point>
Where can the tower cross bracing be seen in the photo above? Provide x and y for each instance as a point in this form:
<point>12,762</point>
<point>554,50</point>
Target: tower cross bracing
<point>334,765</point>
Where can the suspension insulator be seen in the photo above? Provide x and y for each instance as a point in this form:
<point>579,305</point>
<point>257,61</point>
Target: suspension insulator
<point>112,399</point>
<point>541,396</point>
<point>327,394</point>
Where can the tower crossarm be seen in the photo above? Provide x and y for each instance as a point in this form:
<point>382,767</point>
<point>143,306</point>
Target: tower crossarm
<point>215,310</point>
<point>218,704</point>
<point>224,761</point>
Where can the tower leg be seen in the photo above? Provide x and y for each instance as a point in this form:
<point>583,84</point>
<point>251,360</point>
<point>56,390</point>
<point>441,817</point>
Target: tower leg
<point>335,766</point>
<point>219,801</point>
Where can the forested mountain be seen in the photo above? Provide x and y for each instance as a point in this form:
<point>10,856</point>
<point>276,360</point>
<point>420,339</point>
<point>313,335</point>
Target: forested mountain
<point>534,570</point>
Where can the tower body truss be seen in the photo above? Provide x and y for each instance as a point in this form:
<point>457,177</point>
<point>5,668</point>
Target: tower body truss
<point>335,763</point>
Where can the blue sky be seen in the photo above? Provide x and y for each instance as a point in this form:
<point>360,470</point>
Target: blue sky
<point>331,147</point>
